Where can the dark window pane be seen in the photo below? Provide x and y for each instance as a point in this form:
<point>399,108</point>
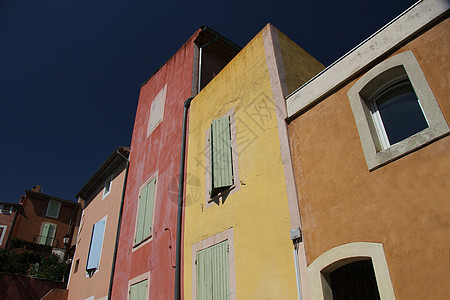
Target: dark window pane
<point>400,111</point>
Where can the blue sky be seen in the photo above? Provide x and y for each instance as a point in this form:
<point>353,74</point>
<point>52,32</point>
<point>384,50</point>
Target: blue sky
<point>70,71</point>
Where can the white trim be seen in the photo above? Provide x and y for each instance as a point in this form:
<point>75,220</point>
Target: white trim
<point>48,207</point>
<point>3,233</point>
<point>137,279</point>
<point>329,261</point>
<point>6,212</point>
<point>394,33</point>
<point>110,180</point>
<point>375,154</point>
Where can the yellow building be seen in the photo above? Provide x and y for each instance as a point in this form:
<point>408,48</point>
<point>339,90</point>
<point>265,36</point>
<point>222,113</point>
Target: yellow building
<point>240,203</point>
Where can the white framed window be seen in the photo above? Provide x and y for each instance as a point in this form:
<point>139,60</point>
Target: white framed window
<point>6,209</point>
<point>221,167</point>
<point>156,110</point>
<point>360,259</point>
<point>53,209</point>
<point>145,211</point>
<point>2,233</point>
<point>213,271</point>
<point>47,234</point>
<point>395,110</point>
<point>96,246</point>
<point>138,287</point>
<point>107,186</point>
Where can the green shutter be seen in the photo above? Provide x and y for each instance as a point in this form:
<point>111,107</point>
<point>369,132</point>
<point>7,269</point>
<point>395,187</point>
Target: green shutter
<point>149,209</point>
<point>50,233</point>
<point>138,291</point>
<point>212,273</point>
<point>44,233</point>
<point>221,155</point>
<point>141,214</point>
<point>53,208</point>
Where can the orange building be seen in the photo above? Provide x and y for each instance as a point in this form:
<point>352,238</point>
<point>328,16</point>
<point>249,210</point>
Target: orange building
<point>370,147</point>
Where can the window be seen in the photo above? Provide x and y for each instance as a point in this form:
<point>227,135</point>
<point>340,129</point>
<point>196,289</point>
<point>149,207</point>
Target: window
<point>138,287</point>
<point>157,110</point>
<point>213,267</point>
<point>350,270</point>
<point>53,209</point>
<point>47,235</point>
<point>222,174</point>
<point>138,291</point>
<point>107,186</point>
<point>6,209</point>
<point>95,248</point>
<point>2,233</point>
<point>144,220</point>
<point>395,110</point>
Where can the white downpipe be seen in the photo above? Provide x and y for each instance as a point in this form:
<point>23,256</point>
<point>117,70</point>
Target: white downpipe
<point>297,273</point>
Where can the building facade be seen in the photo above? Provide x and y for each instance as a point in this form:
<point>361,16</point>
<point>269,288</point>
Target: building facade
<point>8,215</point>
<point>100,198</point>
<point>46,220</point>
<point>145,266</point>
<point>240,203</point>
<point>370,146</point>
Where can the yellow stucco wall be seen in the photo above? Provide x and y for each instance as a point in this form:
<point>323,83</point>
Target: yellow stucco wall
<point>258,211</point>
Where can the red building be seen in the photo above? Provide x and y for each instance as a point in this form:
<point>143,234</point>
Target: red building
<point>145,266</point>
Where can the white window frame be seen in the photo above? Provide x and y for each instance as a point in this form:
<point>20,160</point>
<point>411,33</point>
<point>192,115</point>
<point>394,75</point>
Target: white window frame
<point>6,212</point>
<point>3,233</point>
<point>156,113</point>
<point>342,255</point>
<point>137,279</point>
<point>234,156</point>
<point>48,208</point>
<point>109,181</point>
<point>226,235</point>
<point>375,154</point>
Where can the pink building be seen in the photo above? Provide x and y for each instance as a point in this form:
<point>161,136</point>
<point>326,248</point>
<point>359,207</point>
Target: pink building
<point>8,216</point>
<point>146,258</point>
<point>100,198</point>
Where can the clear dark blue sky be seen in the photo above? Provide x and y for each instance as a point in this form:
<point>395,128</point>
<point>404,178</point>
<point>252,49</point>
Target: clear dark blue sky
<point>70,70</point>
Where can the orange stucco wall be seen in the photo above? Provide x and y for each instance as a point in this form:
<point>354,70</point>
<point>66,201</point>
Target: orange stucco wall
<point>80,285</point>
<point>403,205</point>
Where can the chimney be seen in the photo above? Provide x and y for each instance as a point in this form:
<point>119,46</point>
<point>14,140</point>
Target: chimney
<point>36,189</point>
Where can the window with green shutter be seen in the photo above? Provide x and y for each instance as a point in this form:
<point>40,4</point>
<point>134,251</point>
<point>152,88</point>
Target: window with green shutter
<point>138,291</point>
<point>221,161</point>
<point>47,234</point>
<point>145,212</point>
<point>213,272</point>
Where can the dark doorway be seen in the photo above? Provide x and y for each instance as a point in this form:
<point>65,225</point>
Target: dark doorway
<point>355,281</point>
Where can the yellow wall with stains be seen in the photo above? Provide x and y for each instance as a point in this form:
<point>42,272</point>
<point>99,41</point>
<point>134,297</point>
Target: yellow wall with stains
<point>258,212</point>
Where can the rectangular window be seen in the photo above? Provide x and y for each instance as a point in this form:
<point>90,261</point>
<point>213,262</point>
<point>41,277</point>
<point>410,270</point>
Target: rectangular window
<point>107,186</point>
<point>95,248</point>
<point>221,162</point>
<point>157,111</point>
<point>53,208</point>
<point>212,272</point>
<point>47,234</point>
<point>6,209</point>
<point>2,233</point>
<point>144,221</point>
<point>138,291</point>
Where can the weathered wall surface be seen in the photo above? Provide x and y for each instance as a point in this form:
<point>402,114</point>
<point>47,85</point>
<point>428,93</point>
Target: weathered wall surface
<point>18,287</point>
<point>258,211</point>
<point>82,286</point>
<point>6,220</point>
<point>159,152</point>
<point>403,205</point>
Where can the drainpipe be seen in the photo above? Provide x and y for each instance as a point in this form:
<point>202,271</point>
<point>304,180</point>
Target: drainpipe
<point>200,61</point>
<point>187,103</point>
<point>119,222</point>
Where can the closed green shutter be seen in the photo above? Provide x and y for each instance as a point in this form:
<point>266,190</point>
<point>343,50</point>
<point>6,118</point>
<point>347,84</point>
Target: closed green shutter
<point>145,212</point>
<point>53,208</point>
<point>212,273</point>
<point>44,234</point>
<point>221,156</point>
<point>138,291</point>
<point>50,234</point>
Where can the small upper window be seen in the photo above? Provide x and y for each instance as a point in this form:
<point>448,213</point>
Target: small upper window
<point>6,209</point>
<point>107,186</point>
<point>395,110</point>
<point>156,110</point>
<point>397,113</point>
<point>53,208</point>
